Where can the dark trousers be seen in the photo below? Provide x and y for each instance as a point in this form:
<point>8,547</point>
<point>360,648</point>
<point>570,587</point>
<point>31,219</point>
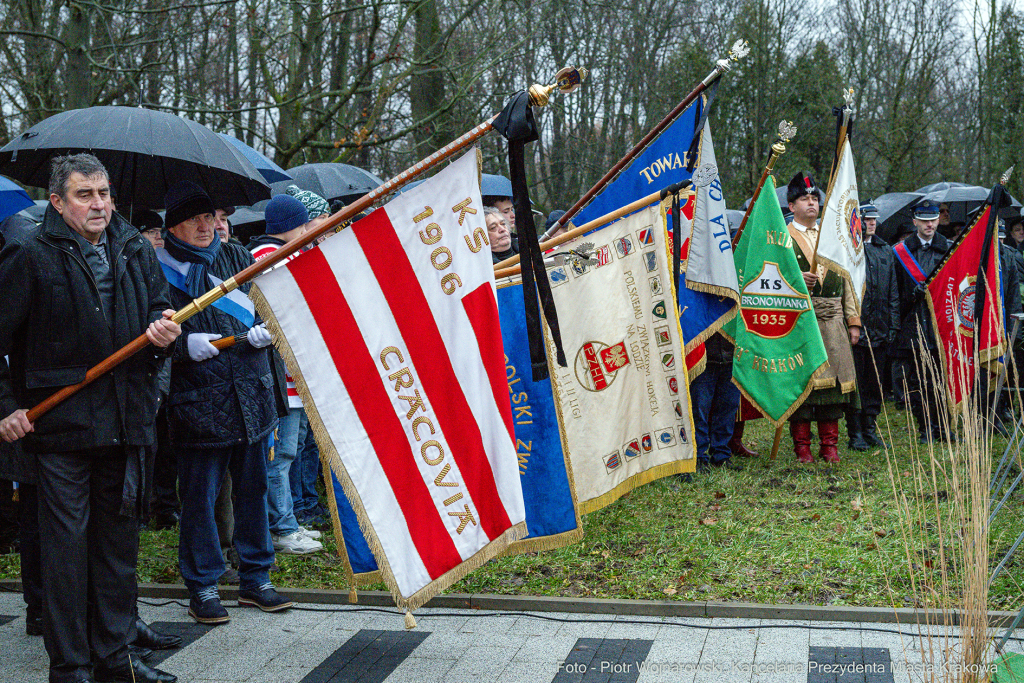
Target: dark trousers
<point>715,401</point>
<point>164,500</point>
<point>31,558</point>
<point>89,553</point>
<point>922,394</point>
<point>867,377</point>
<point>200,478</point>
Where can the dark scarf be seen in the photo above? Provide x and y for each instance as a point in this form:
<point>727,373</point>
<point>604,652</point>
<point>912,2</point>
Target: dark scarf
<point>201,258</point>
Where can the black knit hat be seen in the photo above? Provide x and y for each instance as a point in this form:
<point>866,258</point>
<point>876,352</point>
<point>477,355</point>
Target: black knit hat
<point>801,184</point>
<point>184,200</point>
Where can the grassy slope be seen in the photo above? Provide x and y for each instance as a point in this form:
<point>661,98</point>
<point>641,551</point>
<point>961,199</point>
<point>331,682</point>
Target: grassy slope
<point>774,533</point>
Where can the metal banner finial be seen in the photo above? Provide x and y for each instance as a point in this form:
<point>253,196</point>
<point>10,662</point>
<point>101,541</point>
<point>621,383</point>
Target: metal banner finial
<point>704,175</point>
<point>566,80</point>
<point>739,50</point>
<point>1005,178</point>
<point>787,131</point>
<point>848,97</point>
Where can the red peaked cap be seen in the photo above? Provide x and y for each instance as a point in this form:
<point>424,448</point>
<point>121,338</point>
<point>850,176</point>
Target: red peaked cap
<point>801,184</point>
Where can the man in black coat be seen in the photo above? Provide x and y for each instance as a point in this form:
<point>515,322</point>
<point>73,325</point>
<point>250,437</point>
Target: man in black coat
<point>880,315</point>
<point>80,287</point>
<point>221,410</point>
<point>925,248</point>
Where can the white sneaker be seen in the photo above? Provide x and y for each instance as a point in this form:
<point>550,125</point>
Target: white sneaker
<point>310,533</point>
<point>295,544</point>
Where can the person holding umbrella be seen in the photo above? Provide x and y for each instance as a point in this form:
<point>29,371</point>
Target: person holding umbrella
<point>87,285</point>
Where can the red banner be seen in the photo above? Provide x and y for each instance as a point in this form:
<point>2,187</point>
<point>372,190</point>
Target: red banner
<point>951,299</point>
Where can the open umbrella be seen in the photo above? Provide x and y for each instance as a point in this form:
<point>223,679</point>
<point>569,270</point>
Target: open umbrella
<point>144,151</point>
<point>335,181</point>
<point>12,198</point>
<point>936,187</point>
<point>270,171</point>
<point>894,211</point>
<point>963,200</point>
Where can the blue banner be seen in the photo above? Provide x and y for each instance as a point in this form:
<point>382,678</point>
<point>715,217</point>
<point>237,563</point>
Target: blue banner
<point>359,555</point>
<point>551,516</point>
<point>660,165</point>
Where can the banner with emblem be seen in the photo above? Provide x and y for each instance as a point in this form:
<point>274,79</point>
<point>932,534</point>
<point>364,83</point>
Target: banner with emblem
<point>552,518</point>
<point>624,398</point>
<point>952,295</point>
<point>841,243</point>
<point>391,331</point>
<point>779,351</point>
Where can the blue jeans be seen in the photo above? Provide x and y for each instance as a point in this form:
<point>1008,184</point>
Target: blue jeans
<point>715,401</point>
<point>305,472</point>
<point>280,508</point>
<point>200,474</point>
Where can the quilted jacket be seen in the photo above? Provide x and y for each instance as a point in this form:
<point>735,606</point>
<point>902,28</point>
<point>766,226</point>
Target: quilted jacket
<point>227,399</point>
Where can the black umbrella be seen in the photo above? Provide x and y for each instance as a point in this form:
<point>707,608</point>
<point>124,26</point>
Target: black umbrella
<point>894,211</point>
<point>935,187</point>
<point>335,181</point>
<point>963,200</point>
<point>144,151</point>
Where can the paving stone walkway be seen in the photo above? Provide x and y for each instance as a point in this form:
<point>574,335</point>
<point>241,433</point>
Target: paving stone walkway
<point>338,644</point>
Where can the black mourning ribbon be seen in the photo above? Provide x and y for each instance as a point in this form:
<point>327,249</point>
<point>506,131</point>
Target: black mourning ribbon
<point>998,199</point>
<point>517,125</point>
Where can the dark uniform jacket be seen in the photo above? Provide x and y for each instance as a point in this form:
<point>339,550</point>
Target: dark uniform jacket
<point>1011,265</point>
<point>880,309</point>
<point>913,307</point>
<point>228,399</point>
<point>53,328</point>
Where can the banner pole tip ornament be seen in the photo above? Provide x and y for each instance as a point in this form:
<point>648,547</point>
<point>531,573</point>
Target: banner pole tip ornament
<point>566,80</point>
<point>738,51</point>
<point>1005,178</point>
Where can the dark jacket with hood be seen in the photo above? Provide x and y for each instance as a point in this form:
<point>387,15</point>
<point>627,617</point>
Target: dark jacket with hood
<point>53,328</point>
<point>880,310</point>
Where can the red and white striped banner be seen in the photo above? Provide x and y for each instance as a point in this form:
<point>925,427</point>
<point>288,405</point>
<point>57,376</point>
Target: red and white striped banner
<point>391,331</point>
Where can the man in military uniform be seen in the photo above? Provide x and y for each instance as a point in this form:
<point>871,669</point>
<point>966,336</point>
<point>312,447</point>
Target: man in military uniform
<point>919,254</point>
<point>880,313</point>
<point>836,311</point>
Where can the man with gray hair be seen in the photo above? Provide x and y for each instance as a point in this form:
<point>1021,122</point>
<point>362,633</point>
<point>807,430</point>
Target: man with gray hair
<point>82,286</point>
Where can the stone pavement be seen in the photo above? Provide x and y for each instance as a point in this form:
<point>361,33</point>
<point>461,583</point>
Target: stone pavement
<point>335,644</point>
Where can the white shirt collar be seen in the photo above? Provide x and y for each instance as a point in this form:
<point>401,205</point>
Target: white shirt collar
<point>804,228</point>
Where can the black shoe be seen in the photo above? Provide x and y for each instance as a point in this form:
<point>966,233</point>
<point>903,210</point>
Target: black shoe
<point>870,433</point>
<point>33,624</point>
<point>230,577</point>
<point>134,672</point>
<point>205,607</point>
<point>727,464</point>
<point>858,443</point>
<point>153,639</point>
<point>703,465</point>
<point>136,652</point>
<point>923,438</point>
<point>166,520</point>
<point>264,597</point>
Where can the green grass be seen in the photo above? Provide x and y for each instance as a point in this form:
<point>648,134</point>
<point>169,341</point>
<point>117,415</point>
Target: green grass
<point>774,533</point>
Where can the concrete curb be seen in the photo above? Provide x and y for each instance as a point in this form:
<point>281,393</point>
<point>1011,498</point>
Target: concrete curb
<point>597,606</point>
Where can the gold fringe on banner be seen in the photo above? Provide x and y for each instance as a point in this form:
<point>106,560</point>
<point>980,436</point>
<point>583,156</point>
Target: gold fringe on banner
<point>331,458</point>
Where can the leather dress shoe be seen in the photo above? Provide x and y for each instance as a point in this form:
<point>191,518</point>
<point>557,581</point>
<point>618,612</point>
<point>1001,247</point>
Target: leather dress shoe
<point>135,672</point>
<point>143,653</point>
<point>166,520</point>
<point>147,637</point>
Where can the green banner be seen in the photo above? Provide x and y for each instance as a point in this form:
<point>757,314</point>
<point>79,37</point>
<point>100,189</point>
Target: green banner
<point>779,350</point>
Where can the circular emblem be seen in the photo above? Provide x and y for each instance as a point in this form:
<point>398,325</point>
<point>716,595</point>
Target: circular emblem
<point>597,364</point>
<point>965,306</point>
<point>704,175</point>
<point>852,213</point>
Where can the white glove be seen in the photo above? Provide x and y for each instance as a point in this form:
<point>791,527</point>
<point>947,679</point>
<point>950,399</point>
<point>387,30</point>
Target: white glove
<point>199,346</point>
<point>259,336</point>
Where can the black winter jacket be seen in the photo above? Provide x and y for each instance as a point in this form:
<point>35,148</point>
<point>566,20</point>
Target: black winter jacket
<point>913,307</point>
<point>880,310</point>
<point>53,328</point>
<point>227,399</point>
<point>1011,263</point>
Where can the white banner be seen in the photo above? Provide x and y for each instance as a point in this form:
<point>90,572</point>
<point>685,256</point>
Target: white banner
<point>841,245</point>
<point>624,398</point>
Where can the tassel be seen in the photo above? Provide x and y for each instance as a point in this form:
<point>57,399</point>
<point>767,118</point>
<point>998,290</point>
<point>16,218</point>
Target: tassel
<point>16,497</point>
<point>410,621</point>
<point>353,596</point>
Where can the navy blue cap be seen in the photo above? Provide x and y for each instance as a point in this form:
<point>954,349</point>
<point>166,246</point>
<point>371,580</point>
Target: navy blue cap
<point>926,210</point>
<point>868,211</point>
<point>284,213</point>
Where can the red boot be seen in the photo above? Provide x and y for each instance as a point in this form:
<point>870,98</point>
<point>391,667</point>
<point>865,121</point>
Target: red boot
<point>801,433</point>
<point>828,434</point>
<point>736,442</point>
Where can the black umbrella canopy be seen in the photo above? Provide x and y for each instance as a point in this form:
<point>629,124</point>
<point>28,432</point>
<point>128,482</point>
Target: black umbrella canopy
<point>894,211</point>
<point>936,187</point>
<point>144,151</point>
<point>335,181</point>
